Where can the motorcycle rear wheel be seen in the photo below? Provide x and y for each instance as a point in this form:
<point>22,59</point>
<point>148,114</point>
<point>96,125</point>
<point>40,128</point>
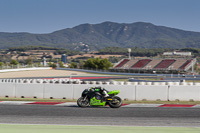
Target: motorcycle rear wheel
<point>83,103</point>
<point>116,102</point>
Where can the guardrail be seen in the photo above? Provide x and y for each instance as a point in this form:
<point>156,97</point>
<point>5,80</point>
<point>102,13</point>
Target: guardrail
<point>25,69</point>
<point>127,74</point>
<point>72,89</point>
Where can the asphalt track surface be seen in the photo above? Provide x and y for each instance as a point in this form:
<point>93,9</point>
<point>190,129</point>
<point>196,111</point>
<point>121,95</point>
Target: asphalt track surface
<point>141,116</point>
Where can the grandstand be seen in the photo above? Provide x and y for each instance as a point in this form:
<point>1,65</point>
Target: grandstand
<point>159,65</point>
<point>152,64</point>
<point>184,66</point>
<point>141,63</point>
<point>164,64</point>
<point>122,63</point>
<point>129,64</point>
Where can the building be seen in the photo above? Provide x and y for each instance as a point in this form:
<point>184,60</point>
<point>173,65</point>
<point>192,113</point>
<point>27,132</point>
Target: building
<point>64,58</point>
<point>178,53</point>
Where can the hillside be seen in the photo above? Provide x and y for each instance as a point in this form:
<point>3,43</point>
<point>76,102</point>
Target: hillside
<point>96,36</point>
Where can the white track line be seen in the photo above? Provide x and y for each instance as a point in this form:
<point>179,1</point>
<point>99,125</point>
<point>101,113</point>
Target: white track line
<point>142,105</point>
<point>67,104</point>
<point>196,106</point>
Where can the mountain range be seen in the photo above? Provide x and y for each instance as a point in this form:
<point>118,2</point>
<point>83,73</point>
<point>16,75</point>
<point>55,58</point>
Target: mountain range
<point>107,34</point>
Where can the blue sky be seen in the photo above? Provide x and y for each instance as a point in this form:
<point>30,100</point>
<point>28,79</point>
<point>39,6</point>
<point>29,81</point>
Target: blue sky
<point>45,16</point>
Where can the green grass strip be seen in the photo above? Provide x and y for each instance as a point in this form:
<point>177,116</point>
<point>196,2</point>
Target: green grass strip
<point>6,128</point>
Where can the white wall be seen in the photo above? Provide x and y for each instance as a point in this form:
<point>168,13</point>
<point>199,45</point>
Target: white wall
<point>7,89</point>
<point>28,90</point>
<point>58,91</point>
<point>154,91</point>
<point>184,93</point>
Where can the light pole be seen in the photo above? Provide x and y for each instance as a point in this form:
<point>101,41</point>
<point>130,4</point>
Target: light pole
<point>129,53</point>
<point>192,67</point>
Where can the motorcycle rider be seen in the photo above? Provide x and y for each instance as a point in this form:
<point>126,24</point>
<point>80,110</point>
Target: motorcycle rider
<point>99,88</point>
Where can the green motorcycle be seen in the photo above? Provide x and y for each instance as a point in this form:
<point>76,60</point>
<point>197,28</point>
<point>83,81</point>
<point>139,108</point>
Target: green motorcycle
<point>96,98</point>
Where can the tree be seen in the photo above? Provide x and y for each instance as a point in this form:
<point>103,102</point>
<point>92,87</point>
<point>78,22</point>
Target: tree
<point>29,61</point>
<point>98,63</point>
<point>14,62</point>
<point>90,63</point>
<point>60,63</point>
<point>81,64</point>
<point>53,65</point>
<point>73,65</point>
<point>1,63</point>
<point>105,64</point>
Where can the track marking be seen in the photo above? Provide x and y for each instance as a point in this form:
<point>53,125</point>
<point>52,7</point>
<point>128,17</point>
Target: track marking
<point>46,103</point>
<point>176,105</point>
<point>143,105</point>
<point>74,104</point>
<point>196,106</point>
<point>69,104</point>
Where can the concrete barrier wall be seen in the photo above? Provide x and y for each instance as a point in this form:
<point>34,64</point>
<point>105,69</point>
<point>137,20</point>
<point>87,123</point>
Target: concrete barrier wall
<point>28,90</point>
<point>132,91</point>
<point>7,89</point>
<point>184,93</point>
<point>150,92</point>
<point>58,91</point>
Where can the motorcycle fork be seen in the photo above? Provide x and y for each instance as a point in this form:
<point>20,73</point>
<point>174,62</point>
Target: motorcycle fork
<point>85,98</point>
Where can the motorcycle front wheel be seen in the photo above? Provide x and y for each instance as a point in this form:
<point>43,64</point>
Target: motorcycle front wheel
<point>82,102</point>
<point>116,102</point>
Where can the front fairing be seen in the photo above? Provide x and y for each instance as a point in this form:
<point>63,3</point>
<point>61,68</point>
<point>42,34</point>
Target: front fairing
<point>114,92</point>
